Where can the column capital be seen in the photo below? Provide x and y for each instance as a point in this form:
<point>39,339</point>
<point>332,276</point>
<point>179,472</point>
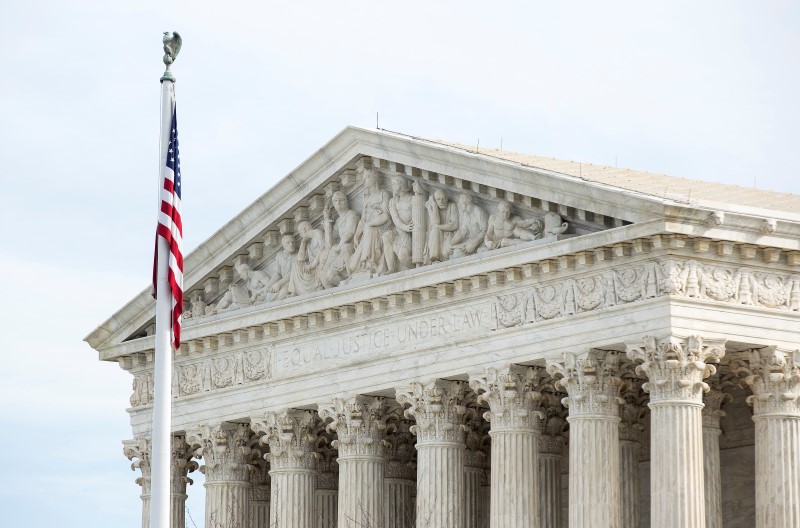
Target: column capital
<point>475,437</point>
<point>591,380</point>
<point>715,398</point>
<point>553,425</point>
<point>773,375</point>
<point>291,437</point>
<point>139,451</point>
<point>676,366</point>
<point>438,408</point>
<point>509,391</point>
<point>399,450</point>
<point>631,412</point>
<point>258,471</point>
<point>327,465</point>
<point>359,422</point>
<point>225,448</point>
<point>182,464</point>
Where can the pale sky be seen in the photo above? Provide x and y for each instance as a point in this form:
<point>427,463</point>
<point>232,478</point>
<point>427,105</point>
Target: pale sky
<point>704,90</point>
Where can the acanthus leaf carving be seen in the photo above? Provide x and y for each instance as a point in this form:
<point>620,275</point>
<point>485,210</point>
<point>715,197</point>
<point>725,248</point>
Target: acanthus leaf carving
<point>359,422</point>
<point>438,408</point>
<point>510,392</point>
<point>773,376</point>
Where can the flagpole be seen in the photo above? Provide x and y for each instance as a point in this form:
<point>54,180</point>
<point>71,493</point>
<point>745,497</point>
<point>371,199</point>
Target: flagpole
<point>160,503</point>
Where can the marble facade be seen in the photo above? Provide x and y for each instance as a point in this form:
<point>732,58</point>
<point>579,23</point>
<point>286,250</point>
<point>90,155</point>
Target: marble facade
<point>404,333</point>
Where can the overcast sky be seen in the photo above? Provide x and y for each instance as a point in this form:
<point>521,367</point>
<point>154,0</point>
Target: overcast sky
<point>705,90</point>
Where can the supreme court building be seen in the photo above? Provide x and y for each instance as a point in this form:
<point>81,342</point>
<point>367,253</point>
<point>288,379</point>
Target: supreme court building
<point>406,333</point>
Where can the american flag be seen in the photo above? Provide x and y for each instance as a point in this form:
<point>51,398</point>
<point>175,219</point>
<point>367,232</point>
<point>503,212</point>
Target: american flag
<point>170,228</point>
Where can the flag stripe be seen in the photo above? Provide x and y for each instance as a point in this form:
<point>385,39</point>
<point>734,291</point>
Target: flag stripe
<point>170,228</point>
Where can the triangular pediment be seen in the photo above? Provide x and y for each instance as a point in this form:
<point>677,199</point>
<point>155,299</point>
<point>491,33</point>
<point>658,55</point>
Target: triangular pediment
<point>370,205</point>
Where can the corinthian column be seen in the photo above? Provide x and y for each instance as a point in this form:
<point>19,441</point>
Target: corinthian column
<point>225,450</point>
<point>774,378</point>
<point>630,452</point>
<point>713,400</point>
<point>400,476</point>
<point>474,461</point>
<point>551,452</point>
<point>675,368</point>
<point>182,465</point>
<point>259,487</point>
<point>327,494</point>
<point>138,452</point>
<point>359,425</point>
<point>515,427</point>
<point>291,439</point>
<point>438,407</point>
<point>592,386</point>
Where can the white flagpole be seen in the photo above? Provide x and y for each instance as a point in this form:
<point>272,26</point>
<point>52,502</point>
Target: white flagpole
<point>160,504</point>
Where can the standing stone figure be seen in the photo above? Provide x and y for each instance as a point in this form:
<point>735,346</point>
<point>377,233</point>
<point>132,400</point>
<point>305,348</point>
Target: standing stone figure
<point>419,219</point>
<point>506,230</point>
<point>472,225</point>
<point>335,260</point>
<point>397,242</point>
<point>303,276</point>
<point>375,221</point>
<point>443,220</point>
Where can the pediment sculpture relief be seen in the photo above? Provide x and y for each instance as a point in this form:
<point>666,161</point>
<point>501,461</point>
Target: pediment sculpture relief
<point>372,231</point>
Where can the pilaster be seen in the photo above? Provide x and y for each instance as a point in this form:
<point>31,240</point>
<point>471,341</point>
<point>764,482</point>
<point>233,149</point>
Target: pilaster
<point>773,376</point>
<point>675,368</point>
<point>592,383</point>
<point>359,422</point>
<point>438,408</point>
<point>551,452</point>
<point>474,462</point>
<point>226,452</point>
<point>515,429</point>
<point>632,411</point>
<point>291,439</point>
<point>712,412</point>
<point>259,486</point>
<point>327,466</point>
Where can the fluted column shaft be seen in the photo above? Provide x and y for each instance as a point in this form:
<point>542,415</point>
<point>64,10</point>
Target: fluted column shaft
<point>399,503</point>
<point>327,504</point>
<point>473,479</point>
<point>629,455</point>
<point>711,464</point>
<point>675,368</point>
<point>291,437</point>
<point>774,377</point>
<point>515,429</point>
<point>439,412</point>
<point>550,489</point>
<point>359,424</point>
<point>593,385</point>
<point>486,499</point>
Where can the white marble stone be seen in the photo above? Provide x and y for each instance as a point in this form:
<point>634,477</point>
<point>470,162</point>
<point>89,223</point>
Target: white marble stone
<point>675,368</point>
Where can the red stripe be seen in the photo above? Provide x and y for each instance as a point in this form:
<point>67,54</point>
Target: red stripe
<point>169,185</point>
<point>164,231</point>
<point>173,213</point>
<point>177,294</point>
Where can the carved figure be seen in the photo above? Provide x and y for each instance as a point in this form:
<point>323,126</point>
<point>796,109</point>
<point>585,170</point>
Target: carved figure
<point>375,221</point>
<point>506,229</point>
<point>472,225</point>
<point>303,276</point>
<point>443,220</point>
<point>284,262</point>
<point>553,225</point>
<point>239,295</point>
<point>335,258</point>
<point>397,242</point>
<point>419,218</point>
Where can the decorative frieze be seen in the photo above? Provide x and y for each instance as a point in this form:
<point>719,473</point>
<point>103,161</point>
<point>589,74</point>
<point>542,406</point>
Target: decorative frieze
<point>222,371</point>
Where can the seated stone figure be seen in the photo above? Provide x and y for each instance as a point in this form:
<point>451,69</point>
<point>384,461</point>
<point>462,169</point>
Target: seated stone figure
<point>239,295</point>
<point>472,225</point>
<point>335,259</point>
<point>303,276</point>
<point>442,225</point>
<point>278,287</point>
<point>506,229</point>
